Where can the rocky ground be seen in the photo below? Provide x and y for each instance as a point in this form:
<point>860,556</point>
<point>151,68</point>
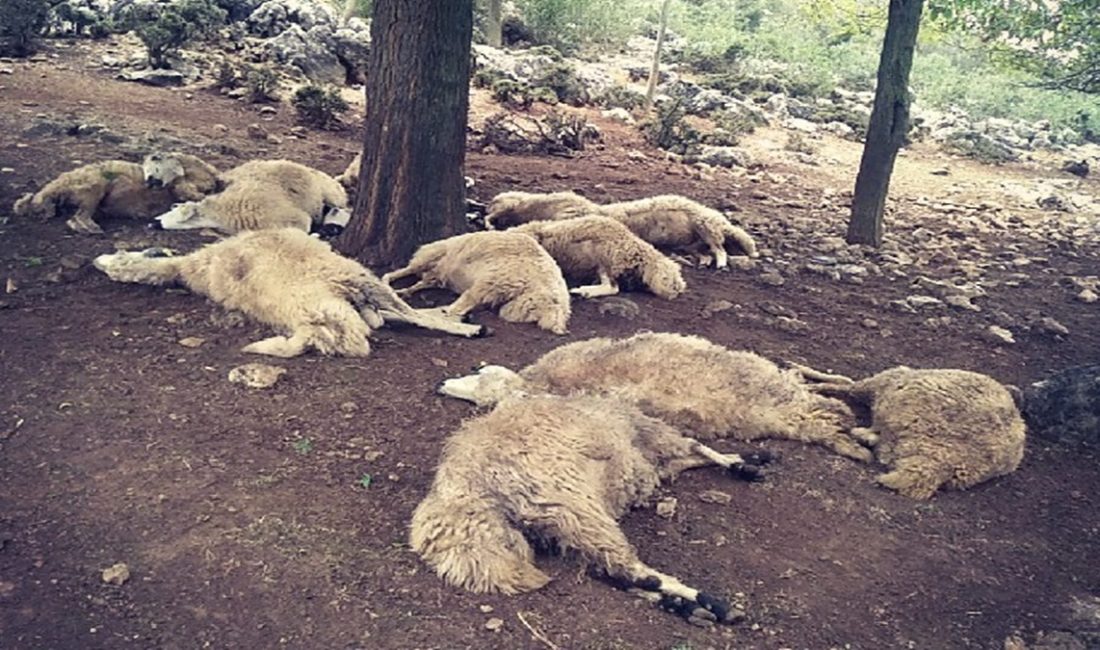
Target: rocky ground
<point>276,517</point>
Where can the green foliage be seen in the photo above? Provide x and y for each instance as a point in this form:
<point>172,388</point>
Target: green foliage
<point>668,129</point>
<point>561,78</point>
<point>319,107</point>
<point>262,82</point>
<point>303,446</point>
<point>21,23</point>
<point>165,28</point>
<point>513,94</point>
<point>227,75</point>
<point>569,24</point>
<point>730,126</point>
<point>365,480</point>
<point>621,97</point>
<point>1059,41</point>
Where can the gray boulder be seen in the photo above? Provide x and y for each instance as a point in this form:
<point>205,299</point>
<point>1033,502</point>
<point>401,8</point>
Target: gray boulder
<point>312,52</point>
<point>1066,406</point>
<point>276,16</point>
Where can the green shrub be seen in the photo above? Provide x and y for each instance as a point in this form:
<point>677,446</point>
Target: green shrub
<point>621,97</point>
<point>730,126</point>
<point>165,28</point>
<point>319,107</point>
<point>669,130</point>
<point>21,23</point>
<point>227,75</point>
<point>562,79</point>
<point>262,82</point>
<point>569,24</point>
<point>513,94</point>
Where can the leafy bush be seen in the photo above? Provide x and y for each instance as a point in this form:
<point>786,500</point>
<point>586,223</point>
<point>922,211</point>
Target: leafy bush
<point>513,94</point>
<point>730,126</point>
<point>319,107</point>
<point>21,23</point>
<point>621,97</point>
<point>669,130</point>
<point>562,79</point>
<point>227,75</point>
<point>569,24</point>
<point>262,82</point>
<point>165,28</point>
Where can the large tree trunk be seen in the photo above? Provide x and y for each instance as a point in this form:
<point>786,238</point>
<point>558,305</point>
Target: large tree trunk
<point>889,123</point>
<point>655,71</point>
<point>411,187</point>
<point>493,33</point>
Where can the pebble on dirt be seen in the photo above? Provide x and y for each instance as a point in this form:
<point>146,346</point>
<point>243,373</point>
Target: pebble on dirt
<point>494,624</point>
<point>116,574</point>
<point>192,341</point>
<point>666,507</point>
<point>256,375</point>
<point>998,334</point>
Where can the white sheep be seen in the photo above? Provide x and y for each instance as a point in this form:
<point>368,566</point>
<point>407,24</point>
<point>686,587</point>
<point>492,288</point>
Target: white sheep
<point>599,247</point>
<point>561,470</point>
<point>488,269</point>
<point>288,280</point>
<point>698,387</point>
<point>668,221</point>
<point>121,189</point>
<point>935,428</point>
<point>262,194</point>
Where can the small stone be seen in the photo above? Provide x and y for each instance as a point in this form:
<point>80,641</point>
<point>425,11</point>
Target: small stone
<point>1086,296</point>
<point>1076,167</point>
<point>772,279</point>
<point>998,334</point>
<point>624,308</point>
<point>940,171</point>
<point>742,263</point>
<point>7,170</point>
<point>960,301</point>
<point>439,363</point>
<point>256,132</point>
<point>715,496</point>
<point>869,323</point>
<point>666,507</point>
<point>349,407</point>
<point>221,128</point>
<point>793,325</point>
<point>776,309</point>
<point>716,307</point>
<point>192,341</point>
<point>256,375</point>
<point>72,262</point>
<point>494,624</point>
<point>116,574</point>
<point>486,609</point>
<point>268,110</point>
<point>11,286</point>
<point>1051,326</point>
<point>921,302</point>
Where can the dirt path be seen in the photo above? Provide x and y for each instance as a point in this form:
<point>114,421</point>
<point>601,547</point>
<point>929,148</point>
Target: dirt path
<point>243,515</point>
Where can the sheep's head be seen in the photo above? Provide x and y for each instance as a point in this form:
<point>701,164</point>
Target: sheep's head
<point>129,266</point>
<point>665,279</point>
<point>486,387</point>
<point>187,216</point>
<point>507,210</point>
<point>162,169</point>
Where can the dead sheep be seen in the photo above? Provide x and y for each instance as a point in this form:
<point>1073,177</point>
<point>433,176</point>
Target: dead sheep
<point>668,221</point>
<point>696,386</point>
<point>488,269</point>
<point>288,280</point>
<point>560,470</point>
<point>263,194</point>
<point>121,189</point>
<point>599,247</point>
<point>936,428</point>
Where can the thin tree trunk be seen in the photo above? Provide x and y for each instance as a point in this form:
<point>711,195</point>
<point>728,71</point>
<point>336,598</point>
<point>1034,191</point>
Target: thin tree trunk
<point>411,188</point>
<point>889,123</point>
<point>493,24</point>
<point>655,71</point>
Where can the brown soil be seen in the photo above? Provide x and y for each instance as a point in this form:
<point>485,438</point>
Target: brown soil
<point>241,514</point>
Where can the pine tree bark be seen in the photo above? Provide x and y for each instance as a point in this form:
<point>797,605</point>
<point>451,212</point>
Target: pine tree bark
<point>493,25</point>
<point>889,123</point>
<point>655,70</point>
<point>411,188</point>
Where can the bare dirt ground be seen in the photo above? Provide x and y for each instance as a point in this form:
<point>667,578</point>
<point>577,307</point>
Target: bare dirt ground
<point>243,515</point>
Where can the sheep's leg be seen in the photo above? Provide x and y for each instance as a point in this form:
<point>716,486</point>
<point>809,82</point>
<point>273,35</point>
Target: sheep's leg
<point>433,320</point>
<point>82,222</point>
<point>738,466</point>
<point>464,304</point>
<point>589,529</point>
<point>398,274</point>
<point>280,346</point>
<point>721,258</point>
<point>863,435</point>
<point>420,285</point>
<point>606,287</point>
<point>370,315</point>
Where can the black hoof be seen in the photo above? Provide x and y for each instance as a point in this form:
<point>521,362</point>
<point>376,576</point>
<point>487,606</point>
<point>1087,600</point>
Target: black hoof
<point>483,332</point>
<point>714,605</point>
<point>649,583</point>
<point>762,457</point>
<point>154,225</point>
<point>746,472</point>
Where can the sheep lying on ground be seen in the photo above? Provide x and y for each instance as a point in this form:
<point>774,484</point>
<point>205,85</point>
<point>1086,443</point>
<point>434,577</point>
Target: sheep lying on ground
<point>289,280</point>
<point>936,428</point>
<point>588,247</point>
<point>489,269</point>
<point>263,194</point>
<point>667,221</point>
<point>694,385</point>
<point>560,470</point>
<point>116,188</point>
